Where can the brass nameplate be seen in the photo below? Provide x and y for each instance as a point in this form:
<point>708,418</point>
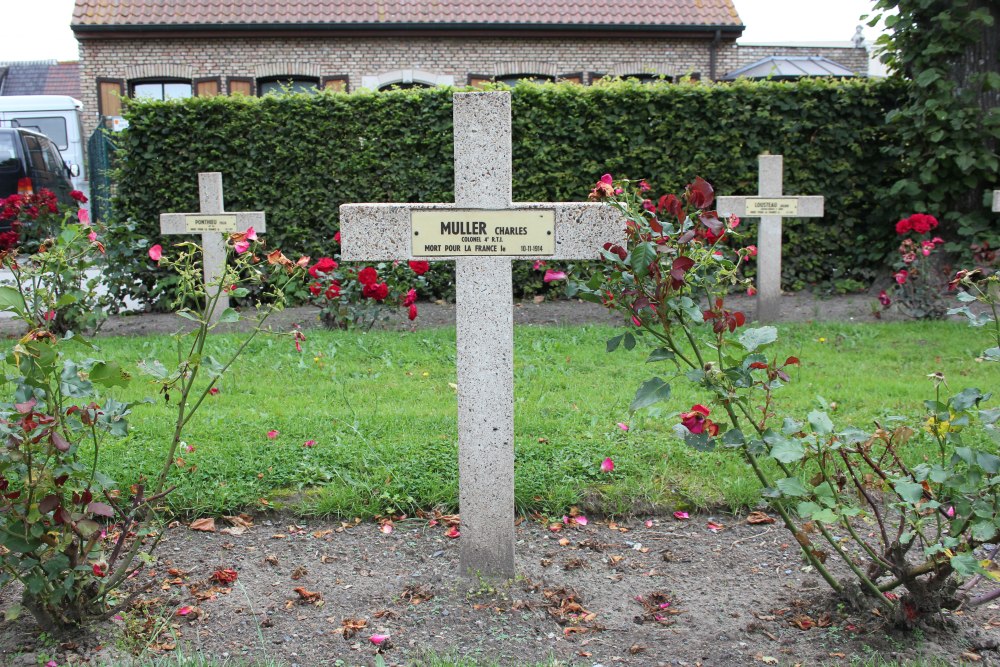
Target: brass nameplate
<point>785,208</point>
<point>478,232</point>
<point>214,222</point>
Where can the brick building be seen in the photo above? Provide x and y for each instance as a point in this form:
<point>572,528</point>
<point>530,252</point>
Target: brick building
<point>209,47</point>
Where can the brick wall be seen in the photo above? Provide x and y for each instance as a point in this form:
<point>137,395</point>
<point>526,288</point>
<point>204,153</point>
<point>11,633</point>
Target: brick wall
<point>367,57</point>
<point>382,60</point>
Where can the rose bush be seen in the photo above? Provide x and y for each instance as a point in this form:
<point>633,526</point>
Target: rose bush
<point>66,272</point>
<point>351,297</point>
<point>670,283</point>
<point>68,533</point>
<point>918,284</point>
<point>63,524</point>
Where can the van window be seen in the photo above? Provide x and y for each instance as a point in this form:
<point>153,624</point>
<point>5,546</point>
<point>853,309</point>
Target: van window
<point>8,152</point>
<point>35,153</point>
<point>53,160</point>
<point>53,127</point>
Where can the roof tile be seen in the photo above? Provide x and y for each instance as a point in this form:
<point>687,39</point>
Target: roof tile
<point>406,12</point>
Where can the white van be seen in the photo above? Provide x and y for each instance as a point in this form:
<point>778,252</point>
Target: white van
<point>59,117</point>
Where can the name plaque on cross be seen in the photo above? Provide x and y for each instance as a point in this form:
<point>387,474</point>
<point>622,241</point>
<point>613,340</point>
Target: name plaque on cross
<point>483,232</point>
<point>786,206</point>
<point>196,223</point>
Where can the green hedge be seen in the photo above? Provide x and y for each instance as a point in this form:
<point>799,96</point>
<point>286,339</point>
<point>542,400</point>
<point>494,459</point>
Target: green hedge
<point>299,157</point>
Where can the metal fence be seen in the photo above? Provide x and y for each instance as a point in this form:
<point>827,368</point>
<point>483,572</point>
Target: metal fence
<point>101,150</point>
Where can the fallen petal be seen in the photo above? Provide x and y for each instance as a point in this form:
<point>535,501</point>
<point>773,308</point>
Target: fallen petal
<point>681,516</point>
<point>378,640</point>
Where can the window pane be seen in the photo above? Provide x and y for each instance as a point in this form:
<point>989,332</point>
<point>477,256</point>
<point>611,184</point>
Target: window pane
<point>176,91</point>
<point>53,161</point>
<point>150,91</point>
<point>53,128</point>
<point>35,153</point>
<point>406,86</point>
<point>512,79</point>
<point>280,86</point>
<point>8,153</point>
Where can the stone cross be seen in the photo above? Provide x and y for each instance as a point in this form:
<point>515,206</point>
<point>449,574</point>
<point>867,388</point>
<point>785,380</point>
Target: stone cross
<point>212,222</point>
<point>770,206</point>
<point>996,201</point>
<point>482,231</point>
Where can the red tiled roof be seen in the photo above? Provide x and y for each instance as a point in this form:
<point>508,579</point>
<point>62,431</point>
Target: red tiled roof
<point>430,13</point>
<point>40,77</point>
<point>64,79</point>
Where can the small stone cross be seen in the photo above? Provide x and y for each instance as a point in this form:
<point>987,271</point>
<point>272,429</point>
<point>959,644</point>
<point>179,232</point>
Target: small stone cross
<point>770,206</point>
<point>482,231</point>
<point>212,222</point>
<point>996,201</point>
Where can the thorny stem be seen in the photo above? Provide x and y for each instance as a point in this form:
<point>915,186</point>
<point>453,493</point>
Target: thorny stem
<point>865,581</point>
<point>867,496</point>
<point>850,529</point>
<point>779,507</point>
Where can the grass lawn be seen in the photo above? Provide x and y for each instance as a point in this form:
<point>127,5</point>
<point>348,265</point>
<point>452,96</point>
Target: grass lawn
<point>381,408</point>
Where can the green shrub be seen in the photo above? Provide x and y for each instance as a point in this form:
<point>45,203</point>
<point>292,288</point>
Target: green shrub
<point>299,157</point>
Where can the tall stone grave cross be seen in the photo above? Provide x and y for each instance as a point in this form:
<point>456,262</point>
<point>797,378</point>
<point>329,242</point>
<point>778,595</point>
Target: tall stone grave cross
<point>770,206</point>
<point>482,232</point>
<point>213,222</point>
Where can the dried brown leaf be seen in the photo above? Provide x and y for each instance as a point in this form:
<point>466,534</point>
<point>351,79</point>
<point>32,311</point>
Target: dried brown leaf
<point>206,525</point>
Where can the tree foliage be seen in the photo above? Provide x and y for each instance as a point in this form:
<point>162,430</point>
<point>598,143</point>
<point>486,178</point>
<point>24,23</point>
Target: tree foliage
<point>948,121</point>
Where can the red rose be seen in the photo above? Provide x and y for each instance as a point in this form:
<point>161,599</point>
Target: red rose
<point>376,291</point>
<point>315,289</point>
<point>368,276</point>
<point>333,291</point>
<point>413,312</point>
<point>904,226</point>
<point>700,193</point>
<point>420,268</point>
<point>8,240</point>
<point>672,205</point>
<point>336,237</point>
<point>695,420</point>
<point>79,196</point>
<point>410,298</point>
<point>324,265</point>
<point>923,223</point>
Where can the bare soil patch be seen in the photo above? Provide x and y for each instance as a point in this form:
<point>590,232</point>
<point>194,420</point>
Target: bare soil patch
<point>667,593</point>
